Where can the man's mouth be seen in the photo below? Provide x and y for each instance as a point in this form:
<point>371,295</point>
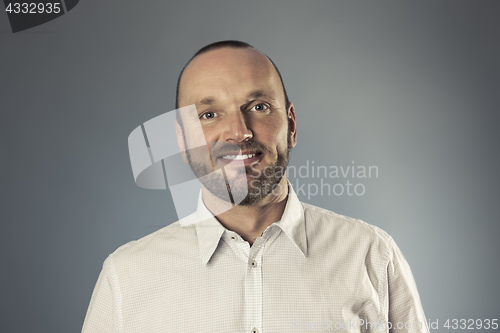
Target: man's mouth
<point>246,158</point>
<point>238,157</point>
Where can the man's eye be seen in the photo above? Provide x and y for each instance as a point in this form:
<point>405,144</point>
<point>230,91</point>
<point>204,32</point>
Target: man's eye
<point>208,115</point>
<point>260,107</point>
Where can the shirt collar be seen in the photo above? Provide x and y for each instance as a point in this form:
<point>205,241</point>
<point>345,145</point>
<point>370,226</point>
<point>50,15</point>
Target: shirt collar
<point>293,221</point>
<point>209,230</point>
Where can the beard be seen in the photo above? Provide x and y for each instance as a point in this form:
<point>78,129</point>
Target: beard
<point>249,186</point>
<point>265,182</point>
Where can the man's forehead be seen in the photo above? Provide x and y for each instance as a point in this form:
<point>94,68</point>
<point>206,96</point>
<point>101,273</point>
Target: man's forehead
<point>227,58</point>
<point>212,69</point>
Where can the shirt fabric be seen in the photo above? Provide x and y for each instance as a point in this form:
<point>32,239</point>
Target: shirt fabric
<point>312,271</point>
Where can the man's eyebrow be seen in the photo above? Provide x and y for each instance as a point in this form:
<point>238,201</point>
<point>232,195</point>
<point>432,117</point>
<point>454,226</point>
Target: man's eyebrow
<point>254,94</point>
<point>260,93</point>
<point>207,101</point>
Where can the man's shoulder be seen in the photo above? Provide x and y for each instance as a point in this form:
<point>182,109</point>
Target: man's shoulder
<point>336,225</point>
<point>171,239</point>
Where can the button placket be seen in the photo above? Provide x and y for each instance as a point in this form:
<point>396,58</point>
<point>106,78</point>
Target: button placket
<point>253,287</point>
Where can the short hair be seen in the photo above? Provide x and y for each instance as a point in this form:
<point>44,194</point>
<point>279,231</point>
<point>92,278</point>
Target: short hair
<point>231,44</point>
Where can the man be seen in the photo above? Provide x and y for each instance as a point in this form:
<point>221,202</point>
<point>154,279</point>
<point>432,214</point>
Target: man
<point>268,263</point>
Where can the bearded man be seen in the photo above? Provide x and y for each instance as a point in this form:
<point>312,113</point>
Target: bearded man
<point>266,262</point>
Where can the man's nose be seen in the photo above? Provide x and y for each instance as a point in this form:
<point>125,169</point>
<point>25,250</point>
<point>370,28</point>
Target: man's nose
<point>236,128</point>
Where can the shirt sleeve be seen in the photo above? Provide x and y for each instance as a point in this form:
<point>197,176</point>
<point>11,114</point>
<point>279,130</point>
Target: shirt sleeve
<point>405,309</point>
<point>102,311</point>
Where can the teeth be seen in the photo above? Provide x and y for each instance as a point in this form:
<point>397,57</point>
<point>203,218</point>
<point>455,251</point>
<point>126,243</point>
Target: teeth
<point>238,157</point>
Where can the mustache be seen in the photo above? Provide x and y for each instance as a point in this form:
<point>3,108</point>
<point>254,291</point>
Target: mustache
<point>249,147</point>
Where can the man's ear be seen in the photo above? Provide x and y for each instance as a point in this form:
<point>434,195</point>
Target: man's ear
<point>180,140</point>
<point>292,125</point>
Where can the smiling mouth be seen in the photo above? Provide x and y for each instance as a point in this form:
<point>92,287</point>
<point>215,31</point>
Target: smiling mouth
<point>238,157</point>
<point>246,158</point>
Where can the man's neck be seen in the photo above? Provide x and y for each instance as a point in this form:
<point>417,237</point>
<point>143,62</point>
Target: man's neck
<point>251,221</point>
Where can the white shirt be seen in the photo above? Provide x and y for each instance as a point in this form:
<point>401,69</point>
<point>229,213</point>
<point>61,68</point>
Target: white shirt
<point>313,270</point>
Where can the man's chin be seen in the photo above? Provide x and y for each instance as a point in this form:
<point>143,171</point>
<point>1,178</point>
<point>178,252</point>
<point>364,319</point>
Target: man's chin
<point>241,192</point>
<point>244,185</point>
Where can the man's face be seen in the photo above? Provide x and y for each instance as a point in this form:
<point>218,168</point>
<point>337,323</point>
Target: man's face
<point>241,110</point>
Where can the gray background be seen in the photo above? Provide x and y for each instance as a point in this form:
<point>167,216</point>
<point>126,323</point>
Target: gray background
<point>409,86</point>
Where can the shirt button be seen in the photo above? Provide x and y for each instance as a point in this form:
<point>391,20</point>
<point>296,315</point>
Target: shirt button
<point>233,237</point>
<point>253,263</point>
<point>254,330</point>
